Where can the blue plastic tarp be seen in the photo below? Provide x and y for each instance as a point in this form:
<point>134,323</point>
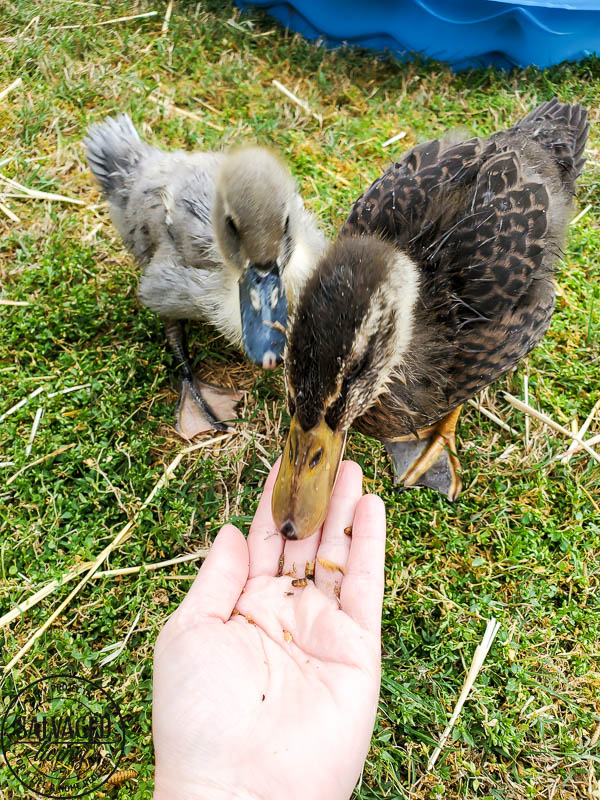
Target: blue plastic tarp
<point>464,34</point>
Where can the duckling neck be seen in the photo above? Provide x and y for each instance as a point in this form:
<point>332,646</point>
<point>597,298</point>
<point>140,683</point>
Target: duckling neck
<point>402,288</point>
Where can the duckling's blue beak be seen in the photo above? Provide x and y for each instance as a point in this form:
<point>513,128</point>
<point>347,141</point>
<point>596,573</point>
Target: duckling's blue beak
<point>263,308</point>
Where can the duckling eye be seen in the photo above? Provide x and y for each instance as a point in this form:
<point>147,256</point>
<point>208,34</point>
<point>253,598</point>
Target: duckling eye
<point>316,458</point>
<point>233,230</point>
<point>358,367</point>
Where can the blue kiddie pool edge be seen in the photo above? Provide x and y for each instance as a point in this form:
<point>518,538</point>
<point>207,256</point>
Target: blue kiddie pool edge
<point>473,33</point>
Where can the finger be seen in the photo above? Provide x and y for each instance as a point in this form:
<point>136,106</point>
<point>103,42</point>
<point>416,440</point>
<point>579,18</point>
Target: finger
<point>335,544</point>
<point>299,556</point>
<point>265,543</point>
<point>221,579</point>
<point>362,588</point>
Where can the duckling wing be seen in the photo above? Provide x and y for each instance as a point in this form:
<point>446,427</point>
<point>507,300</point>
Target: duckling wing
<point>420,197</point>
<point>484,221</point>
<point>491,274</point>
<point>168,204</point>
<point>156,198</point>
<point>490,284</point>
<point>408,203</point>
<point>478,232</point>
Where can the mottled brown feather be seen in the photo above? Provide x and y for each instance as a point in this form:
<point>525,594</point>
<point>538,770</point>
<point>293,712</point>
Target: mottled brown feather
<point>484,221</point>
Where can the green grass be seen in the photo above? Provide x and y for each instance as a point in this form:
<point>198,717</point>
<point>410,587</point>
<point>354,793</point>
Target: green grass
<point>521,544</point>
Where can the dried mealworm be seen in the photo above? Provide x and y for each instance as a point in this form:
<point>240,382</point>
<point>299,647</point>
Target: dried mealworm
<point>120,776</point>
<point>330,566</point>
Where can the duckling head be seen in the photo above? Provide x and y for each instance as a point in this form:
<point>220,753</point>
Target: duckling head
<point>255,216</point>
<point>349,333</point>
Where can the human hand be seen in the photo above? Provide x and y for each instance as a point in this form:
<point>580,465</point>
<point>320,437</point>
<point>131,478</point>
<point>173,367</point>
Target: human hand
<point>278,700</point>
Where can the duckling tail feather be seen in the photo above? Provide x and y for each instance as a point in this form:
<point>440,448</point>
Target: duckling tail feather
<point>562,129</point>
<point>114,149</point>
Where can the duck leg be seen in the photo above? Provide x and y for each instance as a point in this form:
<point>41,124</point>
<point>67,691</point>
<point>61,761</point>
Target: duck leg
<point>202,406</point>
<point>429,460</point>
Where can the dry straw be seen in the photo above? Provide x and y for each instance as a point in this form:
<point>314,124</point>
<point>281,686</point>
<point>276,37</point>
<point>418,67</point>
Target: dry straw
<point>11,86</point>
<point>393,139</point>
<point>38,195</point>
<point>490,415</point>
<point>40,460</point>
<point>10,214</point>
<point>114,21</point>
<point>295,99</point>
<point>22,402</point>
<point>478,658</point>
<point>565,457</point>
<point>532,412</point>
<point>34,429</point>
<point>167,18</point>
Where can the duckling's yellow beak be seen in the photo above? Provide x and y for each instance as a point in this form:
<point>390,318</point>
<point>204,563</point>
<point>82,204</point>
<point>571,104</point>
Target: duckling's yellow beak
<point>309,467</point>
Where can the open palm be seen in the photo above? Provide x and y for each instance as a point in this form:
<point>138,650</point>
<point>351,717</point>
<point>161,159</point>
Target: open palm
<point>264,688</point>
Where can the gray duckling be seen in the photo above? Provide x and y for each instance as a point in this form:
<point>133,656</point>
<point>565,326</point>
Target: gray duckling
<point>221,237</point>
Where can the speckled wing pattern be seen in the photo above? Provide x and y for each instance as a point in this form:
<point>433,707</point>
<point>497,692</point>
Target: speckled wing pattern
<point>502,295</point>
<point>403,204</point>
<point>475,218</point>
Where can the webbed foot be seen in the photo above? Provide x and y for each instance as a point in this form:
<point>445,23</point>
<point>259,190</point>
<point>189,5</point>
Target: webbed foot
<point>431,459</point>
<point>203,407</point>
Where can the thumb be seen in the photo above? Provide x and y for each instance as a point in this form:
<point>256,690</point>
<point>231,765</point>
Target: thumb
<point>221,579</point>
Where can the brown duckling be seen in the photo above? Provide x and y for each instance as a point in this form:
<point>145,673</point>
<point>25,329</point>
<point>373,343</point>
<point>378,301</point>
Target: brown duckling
<point>439,283</point>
